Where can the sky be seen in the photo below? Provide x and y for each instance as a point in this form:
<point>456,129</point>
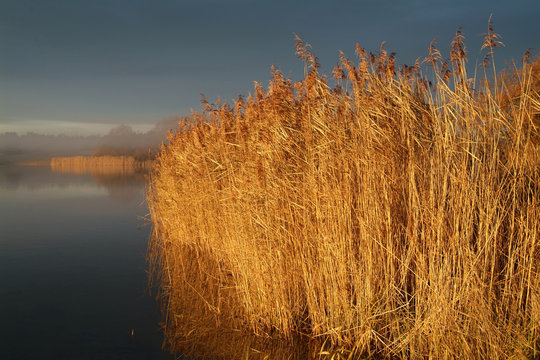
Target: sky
<point>83,67</point>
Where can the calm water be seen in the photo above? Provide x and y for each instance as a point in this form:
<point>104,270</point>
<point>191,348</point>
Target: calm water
<point>73,282</point>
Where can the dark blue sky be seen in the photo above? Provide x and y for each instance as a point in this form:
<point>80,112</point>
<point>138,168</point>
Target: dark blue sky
<point>85,66</point>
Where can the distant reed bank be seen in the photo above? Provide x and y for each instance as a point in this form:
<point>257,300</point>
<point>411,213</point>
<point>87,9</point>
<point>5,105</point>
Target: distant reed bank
<point>99,164</point>
<point>381,211</point>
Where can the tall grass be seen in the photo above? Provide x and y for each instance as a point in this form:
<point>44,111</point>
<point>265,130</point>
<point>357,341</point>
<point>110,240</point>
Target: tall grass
<point>387,212</point>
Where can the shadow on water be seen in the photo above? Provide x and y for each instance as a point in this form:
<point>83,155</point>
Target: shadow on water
<point>192,296</point>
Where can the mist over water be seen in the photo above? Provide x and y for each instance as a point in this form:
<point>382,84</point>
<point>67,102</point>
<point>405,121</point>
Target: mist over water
<point>120,140</point>
<point>73,269</point>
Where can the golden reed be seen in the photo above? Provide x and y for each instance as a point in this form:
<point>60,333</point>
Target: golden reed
<point>373,214</point>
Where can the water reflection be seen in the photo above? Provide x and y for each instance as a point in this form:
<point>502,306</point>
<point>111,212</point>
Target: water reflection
<point>121,186</point>
<point>36,177</point>
<point>73,267</point>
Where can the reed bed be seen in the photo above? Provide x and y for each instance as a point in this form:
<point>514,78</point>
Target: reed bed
<point>126,165</point>
<point>388,212</point>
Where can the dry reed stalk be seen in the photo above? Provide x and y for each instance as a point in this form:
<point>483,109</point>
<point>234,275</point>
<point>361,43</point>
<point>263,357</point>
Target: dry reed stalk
<point>382,216</point>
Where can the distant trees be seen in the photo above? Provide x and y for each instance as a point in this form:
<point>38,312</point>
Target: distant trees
<point>140,154</point>
<point>124,141</point>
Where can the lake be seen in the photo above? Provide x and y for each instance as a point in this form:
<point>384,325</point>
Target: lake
<point>73,271</point>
